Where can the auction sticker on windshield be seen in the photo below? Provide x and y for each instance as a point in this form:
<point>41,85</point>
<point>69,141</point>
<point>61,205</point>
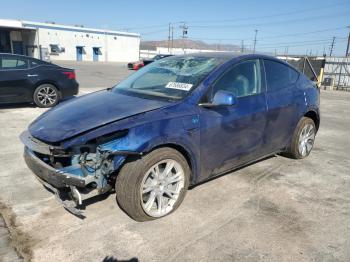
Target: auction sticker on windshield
<point>179,86</point>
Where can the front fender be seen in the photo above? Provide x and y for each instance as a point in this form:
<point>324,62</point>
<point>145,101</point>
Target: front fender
<point>180,132</point>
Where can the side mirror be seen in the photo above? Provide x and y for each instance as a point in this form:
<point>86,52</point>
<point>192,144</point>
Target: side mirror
<point>221,98</point>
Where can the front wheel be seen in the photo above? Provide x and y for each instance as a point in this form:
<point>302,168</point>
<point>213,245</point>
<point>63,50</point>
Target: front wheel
<point>153,186</point>
<point>303,139</point>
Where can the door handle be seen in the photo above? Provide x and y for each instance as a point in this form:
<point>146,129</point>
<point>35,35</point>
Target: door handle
<point>29,75</point>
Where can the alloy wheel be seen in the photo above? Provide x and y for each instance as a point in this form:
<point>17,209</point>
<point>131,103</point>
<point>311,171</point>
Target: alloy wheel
<point>161,187</point>
<point>306,139</point>
<point>47,96</point>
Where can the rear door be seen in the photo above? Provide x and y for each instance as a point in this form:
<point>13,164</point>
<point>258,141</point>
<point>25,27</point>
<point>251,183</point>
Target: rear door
<point>14,79</point>
<point>281,103</point>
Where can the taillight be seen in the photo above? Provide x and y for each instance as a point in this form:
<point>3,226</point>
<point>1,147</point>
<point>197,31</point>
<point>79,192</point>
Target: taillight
<point>70,75</point>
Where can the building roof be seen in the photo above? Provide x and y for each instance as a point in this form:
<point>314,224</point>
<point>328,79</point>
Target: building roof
<point>21,24</point>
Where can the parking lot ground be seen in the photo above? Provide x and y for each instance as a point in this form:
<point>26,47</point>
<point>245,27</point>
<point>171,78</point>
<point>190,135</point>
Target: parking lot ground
<point>278,209</point>
<point>7,251</point>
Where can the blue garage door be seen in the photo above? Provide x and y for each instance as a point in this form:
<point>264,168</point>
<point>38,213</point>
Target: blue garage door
<point>79,53</point>
<point>96,53</point>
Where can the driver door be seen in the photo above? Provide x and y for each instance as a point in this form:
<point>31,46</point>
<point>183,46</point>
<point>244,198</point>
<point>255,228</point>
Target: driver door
<point>233,135</point>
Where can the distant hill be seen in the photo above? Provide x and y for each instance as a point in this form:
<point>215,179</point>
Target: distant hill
<point>188,43</point>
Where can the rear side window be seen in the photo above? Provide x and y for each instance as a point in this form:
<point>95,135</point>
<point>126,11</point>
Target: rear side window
<point>9,63</point>
<point>278,75</point>
<point>37,62</point>
<point>34,63</point>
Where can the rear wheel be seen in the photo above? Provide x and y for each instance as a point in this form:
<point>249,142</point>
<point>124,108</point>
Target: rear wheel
<point>303,139</point>
<point>46,95</point>
<point>154,185</point>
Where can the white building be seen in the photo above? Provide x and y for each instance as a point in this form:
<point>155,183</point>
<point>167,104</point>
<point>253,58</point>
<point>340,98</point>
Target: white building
<point>60,42</point>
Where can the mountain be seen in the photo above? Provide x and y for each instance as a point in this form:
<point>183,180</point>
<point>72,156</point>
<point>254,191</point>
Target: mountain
<point>188,43</point>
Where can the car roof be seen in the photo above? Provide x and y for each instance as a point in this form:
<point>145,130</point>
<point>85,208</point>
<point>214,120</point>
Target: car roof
<point>227,56</point>
<point>27,57</point>
<point>10,54</point>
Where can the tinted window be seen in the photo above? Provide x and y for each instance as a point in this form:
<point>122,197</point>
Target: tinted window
<point>33,63</point>
<point>36,62</point>
<point>243,79</point>
<point>8,63</point>
<point>278,75</point>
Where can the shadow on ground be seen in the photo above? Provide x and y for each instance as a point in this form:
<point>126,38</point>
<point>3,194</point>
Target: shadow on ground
<point>113,259</point>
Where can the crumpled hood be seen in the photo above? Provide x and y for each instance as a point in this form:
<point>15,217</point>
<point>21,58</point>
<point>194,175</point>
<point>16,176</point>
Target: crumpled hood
<point>88,112</point>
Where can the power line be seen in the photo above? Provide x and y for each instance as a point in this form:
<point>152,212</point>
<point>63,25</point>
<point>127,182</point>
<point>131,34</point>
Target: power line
<point>271,37</point>
<point>301,42</point>
<point>146,27</point>
<point>274,23</point>
<point>298,45</point>
<point>304,33</point>
<point>300,11</point>
<point>273,15</point>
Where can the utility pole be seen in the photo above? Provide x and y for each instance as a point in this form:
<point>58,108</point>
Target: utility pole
<point>184,28</point>
<point>255,40</point>
<point>286,51</point>
<point>172,38</point>
<point>347,47</point>
<point>242,47</point>
<point>344,61</point>
<point>331,47</point>
<point>169,37</point>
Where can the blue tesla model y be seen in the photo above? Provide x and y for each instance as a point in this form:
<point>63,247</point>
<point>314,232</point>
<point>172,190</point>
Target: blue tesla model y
<point>175,123</point>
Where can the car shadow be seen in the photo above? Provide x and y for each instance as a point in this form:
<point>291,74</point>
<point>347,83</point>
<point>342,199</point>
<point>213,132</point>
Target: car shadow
<point>29,105</point>
<point>113,259</point>
<point>19,105</point>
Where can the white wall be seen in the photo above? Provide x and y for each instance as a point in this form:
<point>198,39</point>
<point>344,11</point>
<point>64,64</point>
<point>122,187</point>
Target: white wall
<point>114,48</point>
<point>174,51</point>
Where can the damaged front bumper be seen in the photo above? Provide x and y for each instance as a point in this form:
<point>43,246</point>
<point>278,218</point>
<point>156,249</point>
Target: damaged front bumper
<point>74,183</point>
<point>54,177</point>
<point>63,185</point>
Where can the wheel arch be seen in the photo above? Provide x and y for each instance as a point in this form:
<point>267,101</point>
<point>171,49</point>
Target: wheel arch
<point>314,116</point>
<point>50,82</point>
<point>183,151</point>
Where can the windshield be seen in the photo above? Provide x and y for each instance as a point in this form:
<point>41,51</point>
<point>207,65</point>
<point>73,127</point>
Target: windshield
<point>172,77</point>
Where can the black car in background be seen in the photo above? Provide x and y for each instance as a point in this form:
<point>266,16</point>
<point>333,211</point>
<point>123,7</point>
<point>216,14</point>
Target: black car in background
<point>25,79</point>
<point>137,65</point>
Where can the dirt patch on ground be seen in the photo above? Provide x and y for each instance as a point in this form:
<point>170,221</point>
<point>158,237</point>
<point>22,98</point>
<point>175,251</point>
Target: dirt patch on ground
<point>20,241</point>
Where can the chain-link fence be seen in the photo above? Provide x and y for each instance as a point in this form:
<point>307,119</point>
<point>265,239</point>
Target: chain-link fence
<point>338,70</point>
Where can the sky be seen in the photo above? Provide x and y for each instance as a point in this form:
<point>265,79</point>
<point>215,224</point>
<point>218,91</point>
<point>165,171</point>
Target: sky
<point>293,27</point>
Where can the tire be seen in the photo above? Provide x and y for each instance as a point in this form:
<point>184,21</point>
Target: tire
<point>46,95</point>
<point>303,139</point>
<point>140,174</point>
